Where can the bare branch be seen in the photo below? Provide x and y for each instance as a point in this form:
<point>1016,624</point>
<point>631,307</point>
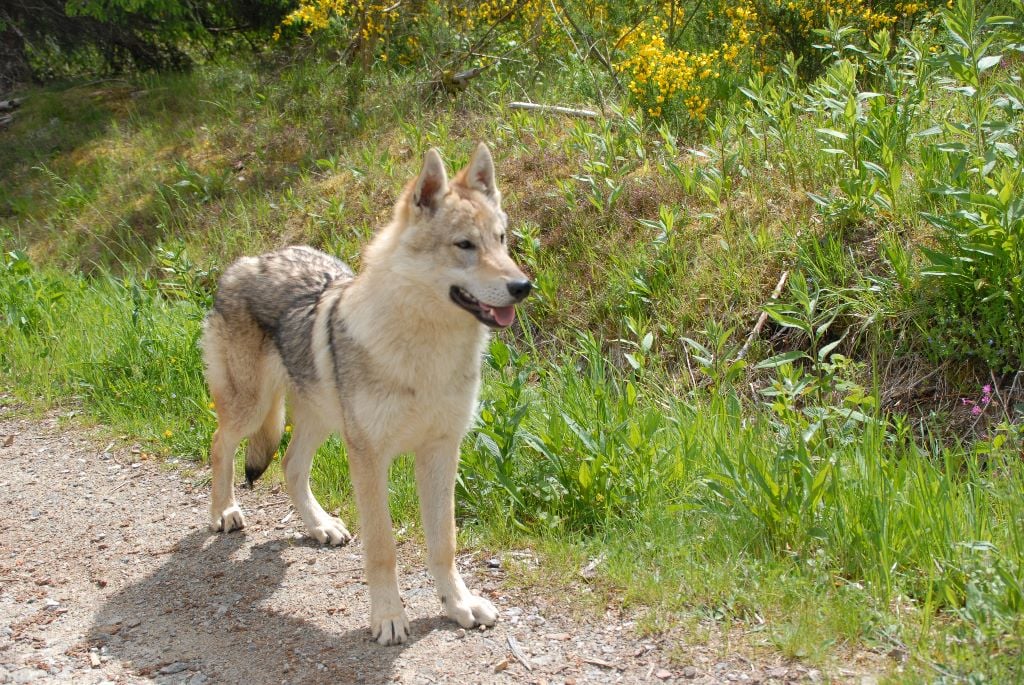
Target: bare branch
<point>554,109</point>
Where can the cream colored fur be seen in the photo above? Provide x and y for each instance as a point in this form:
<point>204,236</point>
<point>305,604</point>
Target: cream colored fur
<point>410,385</point>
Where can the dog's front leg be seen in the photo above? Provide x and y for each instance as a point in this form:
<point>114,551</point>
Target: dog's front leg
<point>435,482</point>
<point>388,622</point>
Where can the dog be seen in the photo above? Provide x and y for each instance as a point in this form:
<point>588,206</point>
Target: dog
<point>389,358</point>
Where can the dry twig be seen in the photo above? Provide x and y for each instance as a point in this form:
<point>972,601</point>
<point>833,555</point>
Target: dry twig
<point>517,652</point>
<point>764,316</point>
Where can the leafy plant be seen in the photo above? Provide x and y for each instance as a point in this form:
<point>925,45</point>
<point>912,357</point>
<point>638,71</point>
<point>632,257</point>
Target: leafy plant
<point>978,264</point>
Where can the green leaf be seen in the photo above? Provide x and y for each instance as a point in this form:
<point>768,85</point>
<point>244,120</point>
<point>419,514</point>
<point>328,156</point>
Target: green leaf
<point>832,132</point>
<point>875,169</point>
<point>788,321</point>
<point>986,63</point>
<point>586,480</point>
<point>823,352</point>
<point>780,359</point>
<point>820,200</point>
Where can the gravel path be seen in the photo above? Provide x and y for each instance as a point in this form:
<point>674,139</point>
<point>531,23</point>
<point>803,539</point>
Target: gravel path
<point>108,574</point>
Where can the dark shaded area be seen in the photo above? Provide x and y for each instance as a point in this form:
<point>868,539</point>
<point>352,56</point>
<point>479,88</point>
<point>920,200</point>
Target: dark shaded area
<point>42,39</point>
<point>202,612</point>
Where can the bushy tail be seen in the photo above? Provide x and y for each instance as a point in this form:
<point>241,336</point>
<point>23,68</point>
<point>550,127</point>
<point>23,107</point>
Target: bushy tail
<point>262,446</point>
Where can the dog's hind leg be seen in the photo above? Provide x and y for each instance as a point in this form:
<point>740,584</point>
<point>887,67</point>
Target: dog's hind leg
<point>225,514</point>
<point>246,384</point>
<point>436,467</point>
<point>298,460</point>
<point>264,443</point>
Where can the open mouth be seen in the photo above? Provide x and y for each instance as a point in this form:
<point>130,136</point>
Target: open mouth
<point>495,317</point>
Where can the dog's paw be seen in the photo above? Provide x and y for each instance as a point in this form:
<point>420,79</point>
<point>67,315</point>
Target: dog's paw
<point>390,628</point>
<point>227,520</point>
<point>471,611</point>
<point>331,531</point>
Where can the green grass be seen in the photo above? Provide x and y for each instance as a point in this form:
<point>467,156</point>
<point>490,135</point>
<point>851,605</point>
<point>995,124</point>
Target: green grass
<point>812,497</point>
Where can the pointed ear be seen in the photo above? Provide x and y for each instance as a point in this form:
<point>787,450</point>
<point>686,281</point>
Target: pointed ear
<point>432,183</point>
<point>480,173</point>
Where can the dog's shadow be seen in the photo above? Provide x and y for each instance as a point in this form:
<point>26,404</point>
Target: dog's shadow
<point>201,618</point>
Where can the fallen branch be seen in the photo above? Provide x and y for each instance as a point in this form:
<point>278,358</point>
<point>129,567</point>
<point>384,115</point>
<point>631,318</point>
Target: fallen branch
<point>763,318</point>
<point>554,109</point>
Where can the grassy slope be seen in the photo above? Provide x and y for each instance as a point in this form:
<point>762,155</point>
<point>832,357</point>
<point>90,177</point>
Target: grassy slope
<point>706,507</point>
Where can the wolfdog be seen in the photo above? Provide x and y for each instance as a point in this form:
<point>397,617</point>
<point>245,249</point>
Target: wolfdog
<point>390,359</point>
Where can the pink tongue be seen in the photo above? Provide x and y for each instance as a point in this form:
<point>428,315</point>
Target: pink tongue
<point>504,315</point>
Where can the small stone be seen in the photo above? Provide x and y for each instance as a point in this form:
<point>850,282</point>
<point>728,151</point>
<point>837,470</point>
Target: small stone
<point>51,603</point>
<point>171,669</point>
<point>501,666</point>
<point>662,674</point>
<point>561,637</point>
<point>460,633</point>
<point>493,563</point>
<point>690,672</point>
<point>199,679</point>
<point>94,660</point>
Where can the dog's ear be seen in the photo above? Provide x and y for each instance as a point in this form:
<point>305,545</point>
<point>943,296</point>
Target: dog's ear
<point>480,173</point>
<point>432,183</point>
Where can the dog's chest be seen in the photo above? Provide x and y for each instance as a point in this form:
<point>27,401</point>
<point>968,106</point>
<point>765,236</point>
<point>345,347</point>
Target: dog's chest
<point>408,401</point>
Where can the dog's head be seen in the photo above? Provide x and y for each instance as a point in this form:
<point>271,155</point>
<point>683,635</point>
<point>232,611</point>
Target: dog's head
<point>451,239</point>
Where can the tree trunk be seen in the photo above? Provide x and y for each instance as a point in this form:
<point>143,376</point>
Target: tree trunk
<point>14,67</point>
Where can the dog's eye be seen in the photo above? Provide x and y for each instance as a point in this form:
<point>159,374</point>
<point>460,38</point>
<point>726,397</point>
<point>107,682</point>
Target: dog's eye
<point>465,245</point>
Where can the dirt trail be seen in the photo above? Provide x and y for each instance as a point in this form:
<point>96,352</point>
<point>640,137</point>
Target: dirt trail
<point>108,574</point>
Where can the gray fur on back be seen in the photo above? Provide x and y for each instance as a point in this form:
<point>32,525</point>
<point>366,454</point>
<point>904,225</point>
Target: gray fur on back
<point>279,292</point>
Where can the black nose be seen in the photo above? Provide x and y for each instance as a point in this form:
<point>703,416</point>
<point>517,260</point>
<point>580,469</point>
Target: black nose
<point>519,289</point>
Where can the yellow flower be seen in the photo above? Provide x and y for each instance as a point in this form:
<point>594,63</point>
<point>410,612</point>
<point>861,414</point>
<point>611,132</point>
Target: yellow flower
<point>287,429</point>
<point>168,433</point>
<point>211,405</point>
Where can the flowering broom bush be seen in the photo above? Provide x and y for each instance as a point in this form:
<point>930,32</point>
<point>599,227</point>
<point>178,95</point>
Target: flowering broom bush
<point>673,59</point>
